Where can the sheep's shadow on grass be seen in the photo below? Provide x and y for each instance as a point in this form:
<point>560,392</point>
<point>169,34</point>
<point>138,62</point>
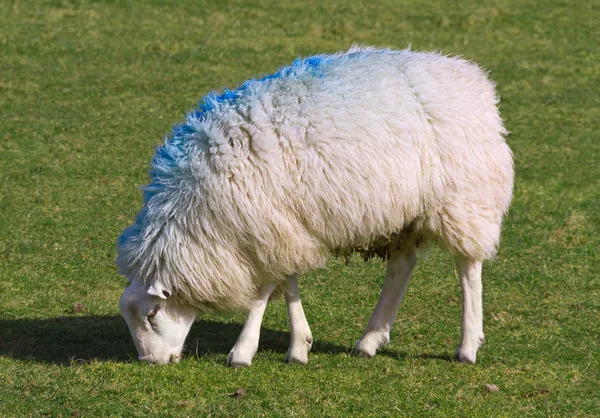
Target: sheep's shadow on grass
<point>79,339</point>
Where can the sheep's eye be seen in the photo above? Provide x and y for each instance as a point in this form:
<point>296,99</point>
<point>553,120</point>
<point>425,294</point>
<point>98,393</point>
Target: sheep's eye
<point>153,311</point>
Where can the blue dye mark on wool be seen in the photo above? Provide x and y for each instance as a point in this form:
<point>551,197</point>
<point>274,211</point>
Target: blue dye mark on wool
<point>312,66</point>
<point>212,101</point>
<point>132,232</point>
<point>169,158</point>
<point>125,236</point>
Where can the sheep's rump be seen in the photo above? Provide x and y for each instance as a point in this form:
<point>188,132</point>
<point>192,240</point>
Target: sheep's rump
<point>374,149</point>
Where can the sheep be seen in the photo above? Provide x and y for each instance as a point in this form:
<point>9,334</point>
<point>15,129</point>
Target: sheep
<point>372,150</point>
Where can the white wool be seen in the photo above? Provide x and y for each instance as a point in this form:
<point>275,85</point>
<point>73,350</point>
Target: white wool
<point>326,155</point>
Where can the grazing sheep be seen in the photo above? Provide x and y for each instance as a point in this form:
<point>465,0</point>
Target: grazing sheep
<point>377,150</point>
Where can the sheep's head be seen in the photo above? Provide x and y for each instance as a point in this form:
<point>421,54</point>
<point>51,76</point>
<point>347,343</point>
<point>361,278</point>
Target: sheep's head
<point>157,323</point>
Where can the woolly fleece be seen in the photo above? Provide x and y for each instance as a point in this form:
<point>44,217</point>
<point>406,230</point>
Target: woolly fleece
<point>331,153</point>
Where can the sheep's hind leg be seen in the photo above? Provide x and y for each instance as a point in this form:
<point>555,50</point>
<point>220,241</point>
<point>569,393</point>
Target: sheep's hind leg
<point>399,268</point>
<point>300,335</point>
<point>247,343</point>
<point>469,274</point>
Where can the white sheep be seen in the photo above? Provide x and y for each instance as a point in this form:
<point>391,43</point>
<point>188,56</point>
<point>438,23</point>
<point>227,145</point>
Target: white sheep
<point>377,150</point>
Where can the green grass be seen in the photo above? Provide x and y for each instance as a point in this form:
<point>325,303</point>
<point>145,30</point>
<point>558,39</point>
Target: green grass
<point>87,89</point>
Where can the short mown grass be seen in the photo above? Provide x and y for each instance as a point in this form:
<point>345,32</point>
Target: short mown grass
<point>88,88</point>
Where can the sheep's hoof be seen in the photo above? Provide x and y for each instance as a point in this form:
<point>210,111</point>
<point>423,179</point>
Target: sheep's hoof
<point>369,343</point>
<point>297,359</point>
<point>298,356</point>
<point>298,351</point>
<point>236,358</point>
<point>364,349</point>
<point>467,352</point>
<point>235,364</point>
<point>466,356</point>
<point>465,359</point>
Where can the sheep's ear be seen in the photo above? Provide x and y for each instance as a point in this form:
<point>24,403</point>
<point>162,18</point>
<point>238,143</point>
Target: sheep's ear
<point>157,290</point>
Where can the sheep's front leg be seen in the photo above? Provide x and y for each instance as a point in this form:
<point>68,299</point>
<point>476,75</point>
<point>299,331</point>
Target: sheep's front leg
<point>247,343</point>
<point>398,271</point>
<point>469,274</point>
<point>301,338</point>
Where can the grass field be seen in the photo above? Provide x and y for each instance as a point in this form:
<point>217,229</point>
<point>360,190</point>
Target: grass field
<point>87,89</point>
